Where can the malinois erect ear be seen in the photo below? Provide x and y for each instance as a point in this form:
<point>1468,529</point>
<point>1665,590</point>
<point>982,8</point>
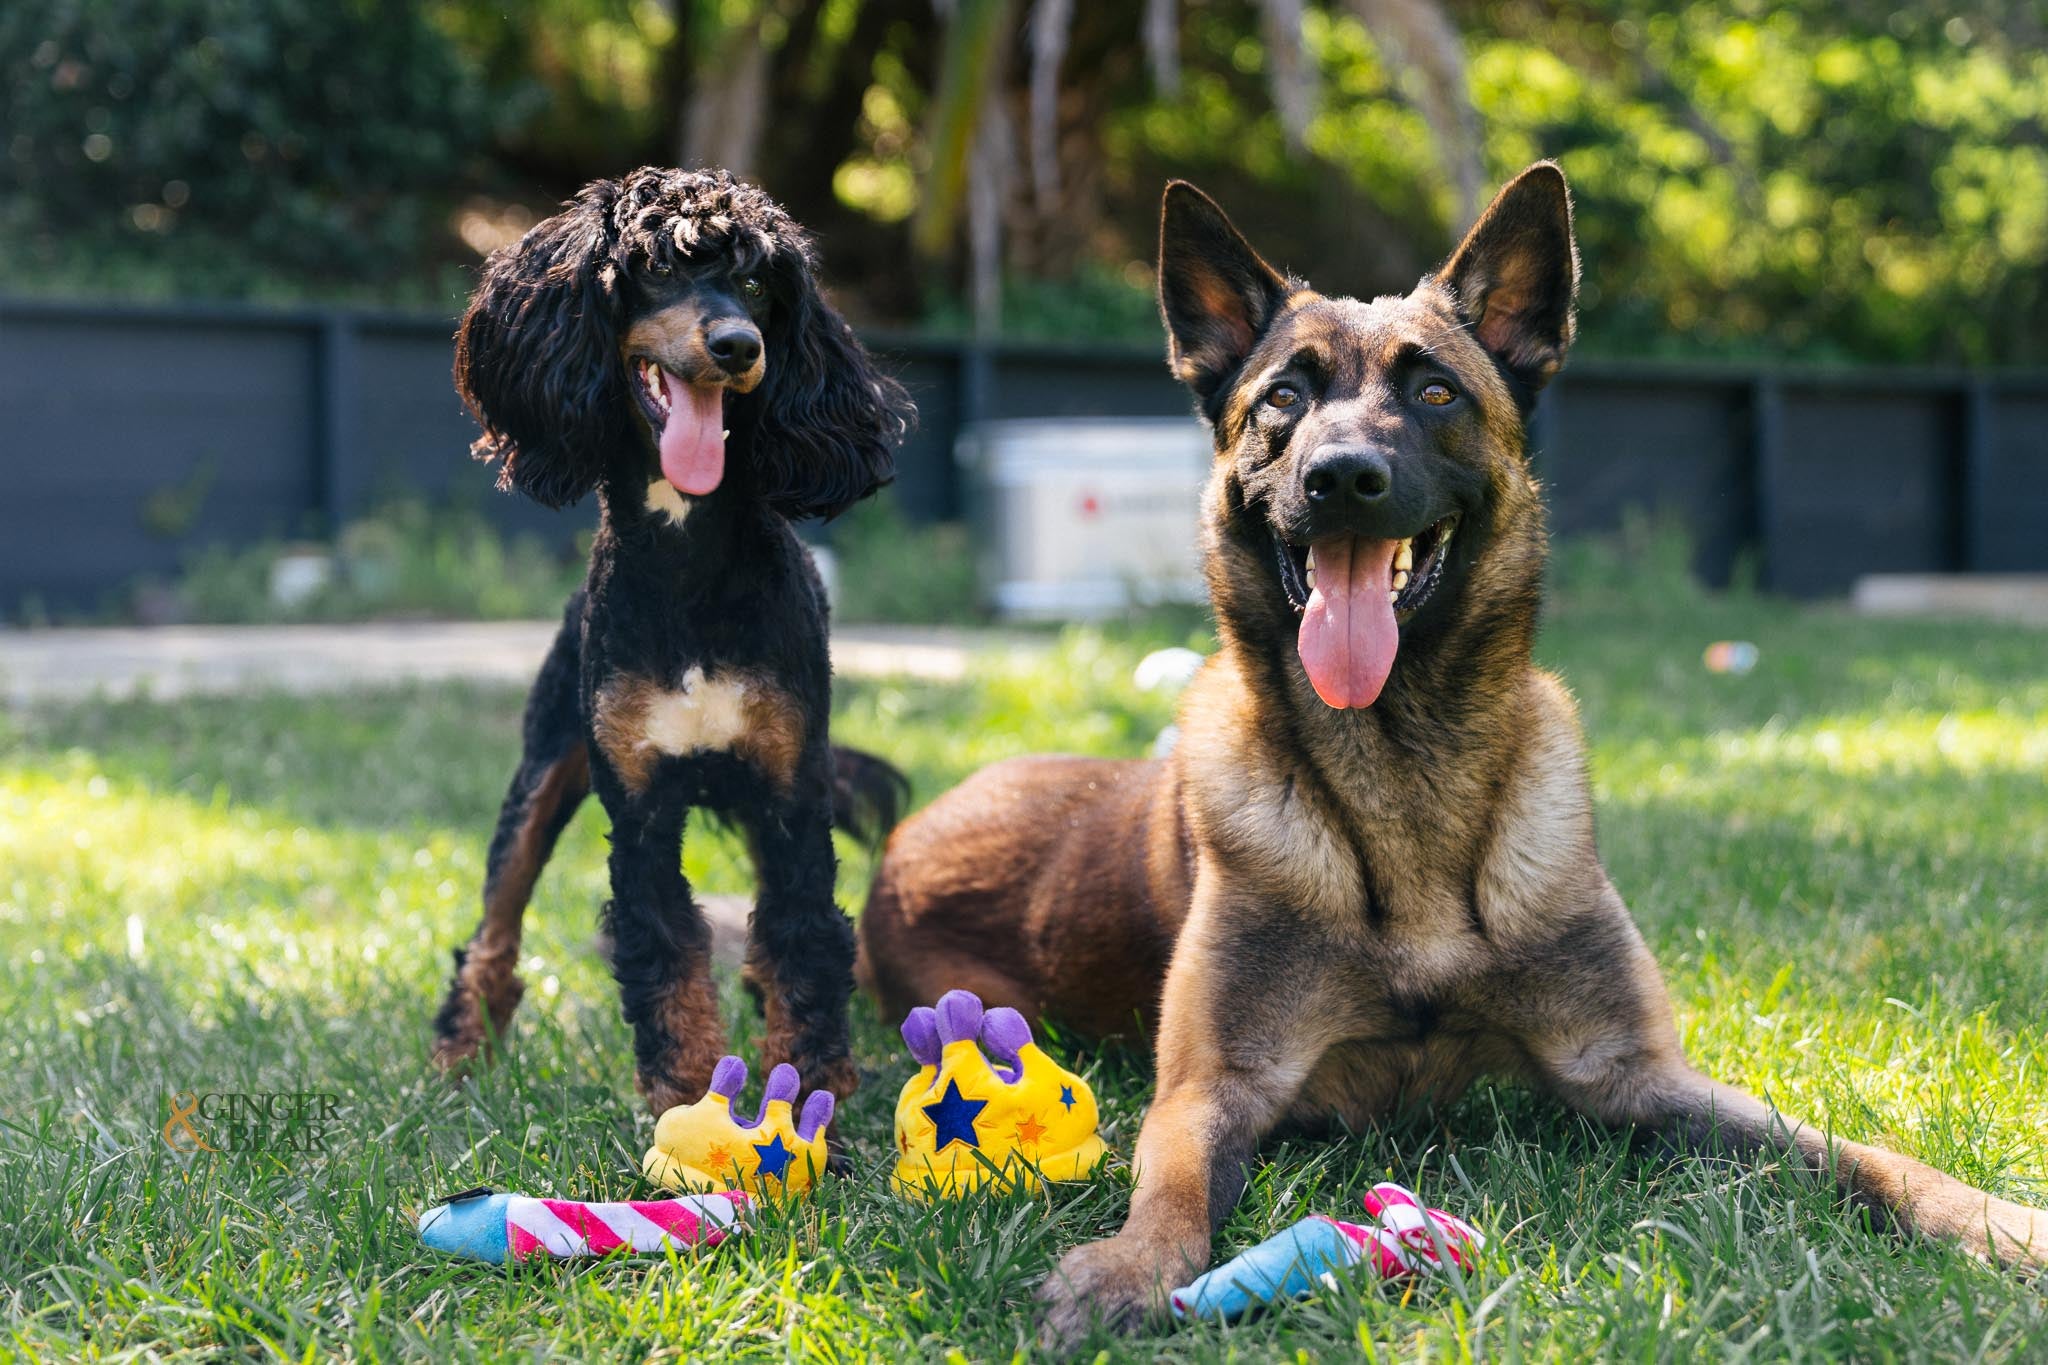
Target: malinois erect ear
<point>1215,294</point>
<point>1516,276</point>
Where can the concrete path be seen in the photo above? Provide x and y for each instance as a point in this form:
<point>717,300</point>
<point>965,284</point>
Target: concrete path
<point>175,661</point>
<point>2021,598</point>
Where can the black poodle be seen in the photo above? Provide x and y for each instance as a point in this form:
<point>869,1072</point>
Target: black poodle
<point>662,342</point>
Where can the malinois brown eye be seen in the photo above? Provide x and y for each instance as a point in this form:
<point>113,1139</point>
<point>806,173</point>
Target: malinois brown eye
<point>1436,395</point>
<point>1283,395</point>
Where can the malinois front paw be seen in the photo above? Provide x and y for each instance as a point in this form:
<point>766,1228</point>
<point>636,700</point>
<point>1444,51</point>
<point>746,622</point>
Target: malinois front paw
<point>1112,1284</point>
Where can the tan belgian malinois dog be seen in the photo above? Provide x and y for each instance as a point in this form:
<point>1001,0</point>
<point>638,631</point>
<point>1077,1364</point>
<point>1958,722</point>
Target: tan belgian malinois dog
<point>1374,784</point>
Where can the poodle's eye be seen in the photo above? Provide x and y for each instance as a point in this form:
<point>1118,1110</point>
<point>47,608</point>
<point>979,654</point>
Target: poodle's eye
<point>752,287</point>
<point>1436,393</point>
<point>661,270</point>
<point>1283,395</point>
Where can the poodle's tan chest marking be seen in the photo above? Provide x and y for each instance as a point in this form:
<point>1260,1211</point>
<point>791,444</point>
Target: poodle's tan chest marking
<point>664,500</point>
<point>638,722</point>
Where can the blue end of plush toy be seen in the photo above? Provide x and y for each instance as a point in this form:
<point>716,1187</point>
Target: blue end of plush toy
<point>1286,1265</point>
<point>469,1227</point>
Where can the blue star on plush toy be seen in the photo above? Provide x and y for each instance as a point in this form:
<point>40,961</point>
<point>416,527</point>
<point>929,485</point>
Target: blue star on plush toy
<point>774,1158</point>
<point>953,1115</point>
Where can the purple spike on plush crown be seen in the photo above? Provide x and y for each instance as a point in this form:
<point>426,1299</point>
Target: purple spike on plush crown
<point>1004,1034</point>
<point>729,1077</point>
<point>921,1032</point>
<point>959,1016</point>
<point>817,1113</point>
<point>783,1083</point>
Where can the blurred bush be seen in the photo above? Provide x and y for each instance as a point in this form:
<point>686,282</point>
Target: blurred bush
<point>1824,179</point>
<point>1643,566</point>
<point>891,570</point>
<point>414,560</point>
<point>1095,304</point>
<point>409,560</point>
<point>219,147</point>
<point>1827,179</point>
<point>1805,178</point>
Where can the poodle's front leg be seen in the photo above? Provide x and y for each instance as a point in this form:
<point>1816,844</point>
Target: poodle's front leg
<point>661,955</point>
<point>800,944</point>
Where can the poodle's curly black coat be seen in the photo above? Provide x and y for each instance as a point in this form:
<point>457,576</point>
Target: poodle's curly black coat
<point>691,668</point>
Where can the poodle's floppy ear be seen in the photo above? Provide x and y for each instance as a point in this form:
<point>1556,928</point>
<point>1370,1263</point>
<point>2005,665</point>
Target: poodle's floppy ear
<point>536,358</point>
<point>831,421</point>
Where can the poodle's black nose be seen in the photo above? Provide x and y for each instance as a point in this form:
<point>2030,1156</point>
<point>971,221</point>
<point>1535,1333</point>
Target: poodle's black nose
<point>735,346</point>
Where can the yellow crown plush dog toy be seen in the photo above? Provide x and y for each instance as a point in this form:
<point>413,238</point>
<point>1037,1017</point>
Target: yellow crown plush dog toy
<point>961,1121</point>
<point>703,1147</point>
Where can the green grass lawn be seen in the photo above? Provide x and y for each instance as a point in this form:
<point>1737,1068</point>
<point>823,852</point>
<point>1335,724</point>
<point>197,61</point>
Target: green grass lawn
<point>1840,859</point>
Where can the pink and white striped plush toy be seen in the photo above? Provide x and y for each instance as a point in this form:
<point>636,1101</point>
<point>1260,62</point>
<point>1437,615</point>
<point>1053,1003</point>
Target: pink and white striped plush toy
<point>1404,1238</point>
<point>502,1228</point>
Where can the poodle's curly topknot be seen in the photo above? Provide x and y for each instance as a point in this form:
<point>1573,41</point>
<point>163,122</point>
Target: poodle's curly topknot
<point>667,213</point>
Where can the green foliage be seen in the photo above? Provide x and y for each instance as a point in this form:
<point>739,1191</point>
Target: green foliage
<point>1221,128</point>
<point>1825,180</point>
<point>573,82</point>
<point>408,560</point>
<point>216,147</point>
<point>1814,178</point>
<point>1837,860</point>
<point>1646,563</point>
<point>1094,304</point>
<point>412,559</point>
<point>891,570</point>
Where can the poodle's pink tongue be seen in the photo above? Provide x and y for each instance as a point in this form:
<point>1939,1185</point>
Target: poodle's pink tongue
<point>1348,635</point>
<point>693,438</point>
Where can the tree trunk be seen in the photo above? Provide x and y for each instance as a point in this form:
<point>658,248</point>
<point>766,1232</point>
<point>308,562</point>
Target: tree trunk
<point>729,105</point>
<point>971,76</point>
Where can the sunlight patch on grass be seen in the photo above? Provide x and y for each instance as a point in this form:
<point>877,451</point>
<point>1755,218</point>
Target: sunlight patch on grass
<point>89,854</point>
<point>1891,744</point>
<point>1953,1090</point>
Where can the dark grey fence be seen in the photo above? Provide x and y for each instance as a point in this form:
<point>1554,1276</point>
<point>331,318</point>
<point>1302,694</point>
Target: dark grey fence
<point>130,436</point>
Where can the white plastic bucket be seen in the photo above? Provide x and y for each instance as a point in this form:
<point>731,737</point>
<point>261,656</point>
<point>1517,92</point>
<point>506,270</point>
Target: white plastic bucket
<point>1083,517</point>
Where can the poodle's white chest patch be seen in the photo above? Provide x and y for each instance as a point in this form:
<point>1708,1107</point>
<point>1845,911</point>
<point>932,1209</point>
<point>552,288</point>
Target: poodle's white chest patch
<point>700,715</point>
<point>639,721</point>
<point>664,500</point>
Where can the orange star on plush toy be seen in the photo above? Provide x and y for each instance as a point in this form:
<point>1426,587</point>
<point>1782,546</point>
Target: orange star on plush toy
<point>961,1121</point>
